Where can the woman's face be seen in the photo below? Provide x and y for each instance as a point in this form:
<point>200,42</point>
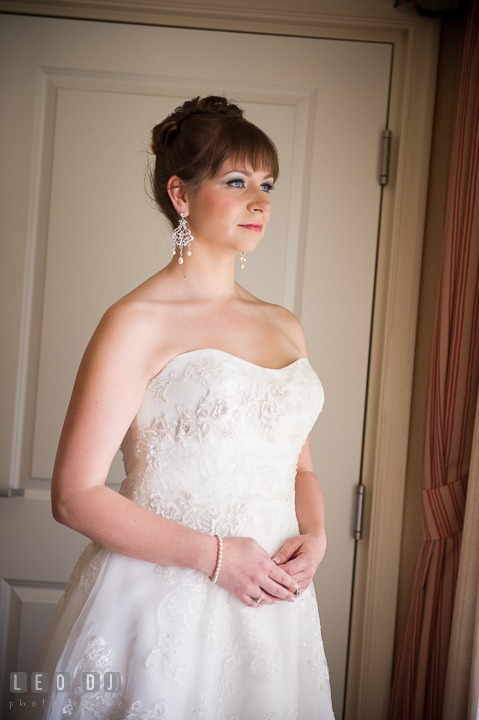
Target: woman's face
<point>232,208</point>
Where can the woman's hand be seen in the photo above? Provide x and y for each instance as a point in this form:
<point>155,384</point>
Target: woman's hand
<point>300,557</point>
<point>248,572</point>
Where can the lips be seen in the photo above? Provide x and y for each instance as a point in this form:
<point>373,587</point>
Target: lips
<point>256,227</point>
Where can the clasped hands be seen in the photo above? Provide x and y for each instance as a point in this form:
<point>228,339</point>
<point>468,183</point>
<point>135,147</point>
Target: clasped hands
<point>249,573</point>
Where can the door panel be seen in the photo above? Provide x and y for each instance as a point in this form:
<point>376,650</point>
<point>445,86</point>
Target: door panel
<point>104,234</point>
<point>85,96</point>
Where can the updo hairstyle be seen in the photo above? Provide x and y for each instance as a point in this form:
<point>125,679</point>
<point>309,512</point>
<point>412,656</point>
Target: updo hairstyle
<point>194,141</point>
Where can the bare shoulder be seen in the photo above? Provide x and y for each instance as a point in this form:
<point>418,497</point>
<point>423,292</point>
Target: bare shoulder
<point>129,313</point>
<point>128,332</point>
<point>282,322</point>
<point>141,309</point>
<point>128,319</point>
<point>286,324</point>
<point>290,325</point>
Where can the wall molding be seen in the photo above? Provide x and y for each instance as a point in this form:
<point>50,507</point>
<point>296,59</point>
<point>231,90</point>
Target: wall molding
<point>371,15</point>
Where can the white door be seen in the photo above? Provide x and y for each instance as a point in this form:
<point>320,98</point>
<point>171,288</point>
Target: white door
<point>79,100</point>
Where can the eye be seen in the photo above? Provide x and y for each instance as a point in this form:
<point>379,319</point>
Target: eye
<point>267,187</point>
<point>238,183</point>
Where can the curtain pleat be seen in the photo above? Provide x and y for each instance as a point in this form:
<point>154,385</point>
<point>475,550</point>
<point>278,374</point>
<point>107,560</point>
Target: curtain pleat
<point>420,671</point>
<point>461,700</point>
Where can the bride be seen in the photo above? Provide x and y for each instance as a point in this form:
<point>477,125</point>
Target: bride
<point>197,585</point>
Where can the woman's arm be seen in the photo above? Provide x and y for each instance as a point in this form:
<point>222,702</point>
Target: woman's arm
<point>116,367</point>
<point>301,555</point>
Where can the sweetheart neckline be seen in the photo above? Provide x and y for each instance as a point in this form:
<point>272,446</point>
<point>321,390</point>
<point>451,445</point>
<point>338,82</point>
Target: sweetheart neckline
<point>235,357</point>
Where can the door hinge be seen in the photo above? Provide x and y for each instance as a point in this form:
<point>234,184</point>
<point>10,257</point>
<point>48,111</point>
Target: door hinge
<point>358,527</point>
<point>385,150</point>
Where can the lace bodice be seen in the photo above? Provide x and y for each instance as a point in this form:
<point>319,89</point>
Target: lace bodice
<point>215,444</point>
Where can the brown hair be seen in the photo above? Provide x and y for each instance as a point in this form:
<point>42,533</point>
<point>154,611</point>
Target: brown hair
<point>194,141</point>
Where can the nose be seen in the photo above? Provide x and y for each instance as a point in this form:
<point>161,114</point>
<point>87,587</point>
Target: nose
<point>259,201</point>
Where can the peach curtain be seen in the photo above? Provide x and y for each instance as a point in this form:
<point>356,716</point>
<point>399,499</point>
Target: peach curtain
<point>420,671</point>
<point>461,699</point>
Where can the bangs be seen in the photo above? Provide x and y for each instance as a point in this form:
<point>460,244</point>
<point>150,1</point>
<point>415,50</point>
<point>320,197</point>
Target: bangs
<point>194,141</point>
<point>245,143</point>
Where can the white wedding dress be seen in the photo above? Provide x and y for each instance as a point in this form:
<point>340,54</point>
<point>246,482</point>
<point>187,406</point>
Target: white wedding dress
<point>214,446</point>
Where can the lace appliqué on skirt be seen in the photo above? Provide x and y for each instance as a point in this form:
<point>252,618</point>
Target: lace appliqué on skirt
<point>99,657</point>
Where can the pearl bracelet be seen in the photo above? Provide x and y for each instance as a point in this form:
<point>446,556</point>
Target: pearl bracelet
<point>219,556</point>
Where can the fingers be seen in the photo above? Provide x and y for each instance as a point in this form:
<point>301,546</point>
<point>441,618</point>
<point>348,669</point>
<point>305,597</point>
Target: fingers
<point>279,591</point>
<point>257,600</point>
<point>301,567</point>
<point>274,580</point>
<point>270,591</point>
<point>265,598</point>
<point>268,599</point>
<point>247,571</point>
<point>282,577</point>
<point>276,585</point>
<point>296,566</point>
<point>262,598</point>
<point>289,548</point>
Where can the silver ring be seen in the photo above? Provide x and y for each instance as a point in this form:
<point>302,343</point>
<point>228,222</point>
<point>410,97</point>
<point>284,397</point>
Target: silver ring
<point>296,592</point>
<point>258,599</point>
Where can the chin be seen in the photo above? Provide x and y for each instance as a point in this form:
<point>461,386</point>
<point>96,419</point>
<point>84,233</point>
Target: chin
<point>249,244</point>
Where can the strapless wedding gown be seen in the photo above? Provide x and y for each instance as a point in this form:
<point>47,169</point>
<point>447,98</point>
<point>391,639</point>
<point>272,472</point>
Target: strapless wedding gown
<point>214,446</point>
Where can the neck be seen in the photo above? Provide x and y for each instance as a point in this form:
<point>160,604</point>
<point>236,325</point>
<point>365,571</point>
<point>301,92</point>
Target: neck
<point>208,274</point>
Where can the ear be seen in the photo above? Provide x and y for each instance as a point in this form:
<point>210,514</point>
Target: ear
<point>177,192</point>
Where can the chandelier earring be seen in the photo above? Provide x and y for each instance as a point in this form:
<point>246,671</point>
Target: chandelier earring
<point>181,238</point>
<point>242,259</point>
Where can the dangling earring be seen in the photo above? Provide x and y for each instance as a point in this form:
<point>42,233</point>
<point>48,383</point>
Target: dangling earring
<point>181,238</point>
<point>242,259</point>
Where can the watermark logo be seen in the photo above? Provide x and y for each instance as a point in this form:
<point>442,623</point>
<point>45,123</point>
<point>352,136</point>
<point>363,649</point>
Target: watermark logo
<point>40,682</point>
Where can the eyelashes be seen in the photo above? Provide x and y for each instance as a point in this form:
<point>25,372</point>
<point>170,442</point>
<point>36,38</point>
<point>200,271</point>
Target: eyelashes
<point>240,183</point>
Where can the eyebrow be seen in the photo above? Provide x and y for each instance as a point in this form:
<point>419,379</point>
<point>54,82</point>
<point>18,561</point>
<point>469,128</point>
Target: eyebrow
<point>246,172</point>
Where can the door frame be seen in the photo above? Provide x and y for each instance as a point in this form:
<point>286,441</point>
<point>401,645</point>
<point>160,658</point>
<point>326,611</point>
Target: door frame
<point>415,42</point>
